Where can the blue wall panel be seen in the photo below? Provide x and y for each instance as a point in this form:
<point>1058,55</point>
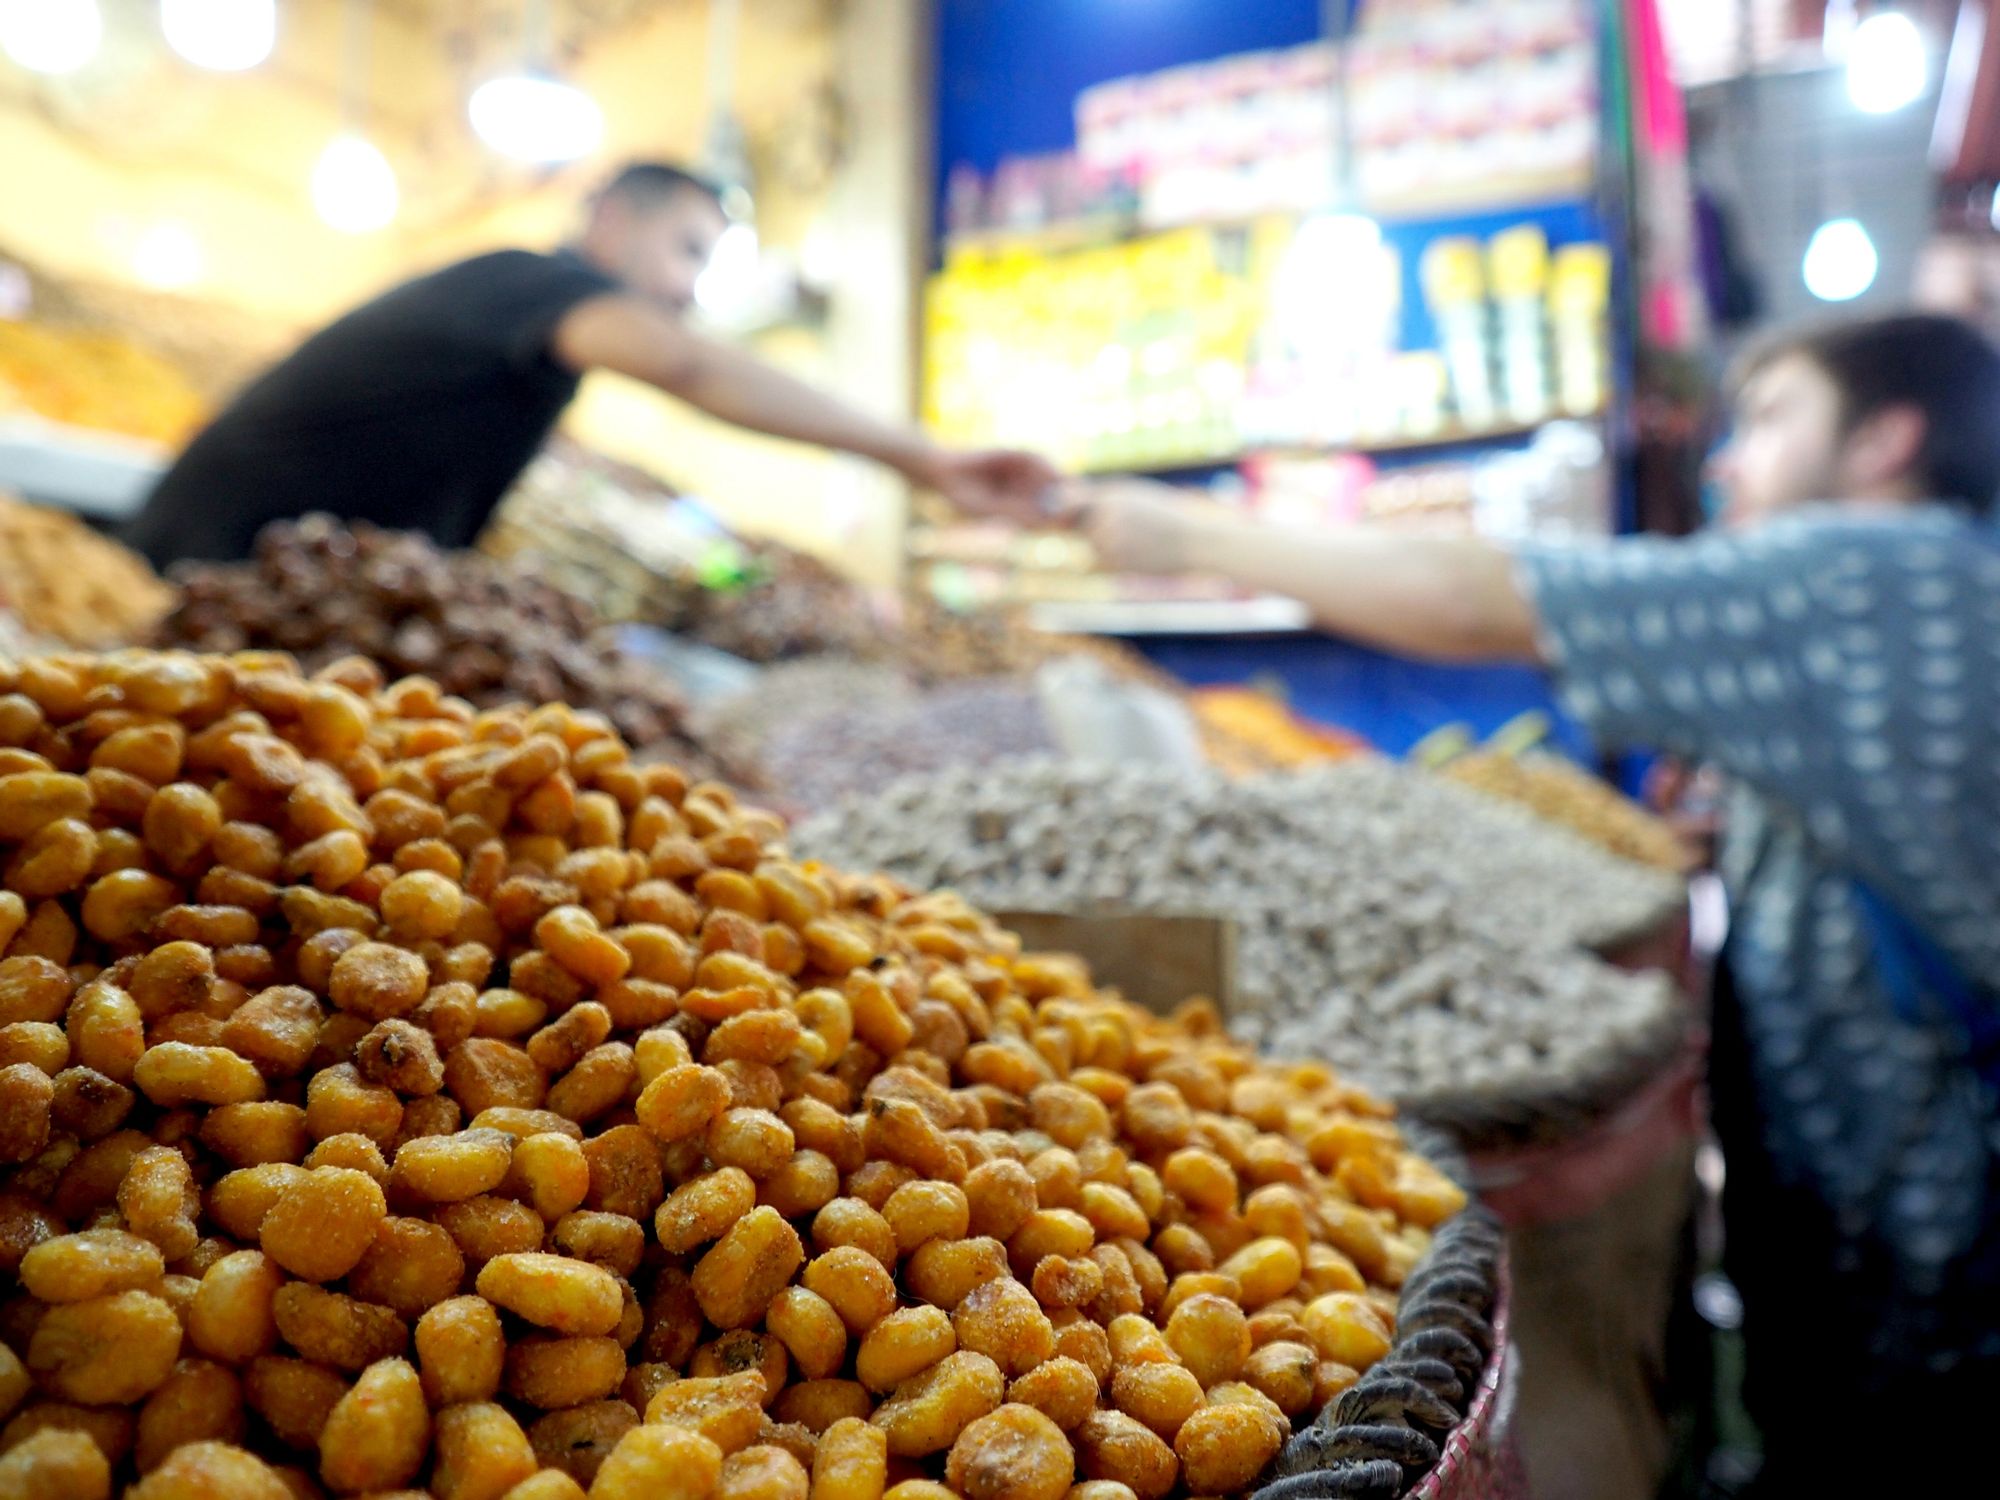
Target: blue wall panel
<point>1389,701</point>
<point>1009,71</point>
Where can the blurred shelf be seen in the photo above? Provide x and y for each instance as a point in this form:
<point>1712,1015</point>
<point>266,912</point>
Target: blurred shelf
<point>1526,193</point>
<point>1068,234</point>
<point>96,474</point>
<point>984,545</point>
<point>1448,437</point>
<point>1266,615</point>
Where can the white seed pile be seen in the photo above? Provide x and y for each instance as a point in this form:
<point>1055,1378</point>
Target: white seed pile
<point>1423,938</point>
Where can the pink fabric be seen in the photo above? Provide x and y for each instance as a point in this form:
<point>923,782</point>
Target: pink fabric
<point>1661,118</point>
<point>1481,1459</point>
<point>1574,1178</point>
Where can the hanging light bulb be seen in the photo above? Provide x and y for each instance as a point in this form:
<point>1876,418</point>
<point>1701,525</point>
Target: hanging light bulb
<point>536,118</point>
<point>51,36</point>
<point>1840,261</point>
<point>224,36</point>
<point>168,256</point>
<point>1886,65</point>
<point>353,185</point>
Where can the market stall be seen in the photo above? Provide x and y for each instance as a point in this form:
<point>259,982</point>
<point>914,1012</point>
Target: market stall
<point>1400,963</point>
<point>1384,278</point>
<point>564,1018</point>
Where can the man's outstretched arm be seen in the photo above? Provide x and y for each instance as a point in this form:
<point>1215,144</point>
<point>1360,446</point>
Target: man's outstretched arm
<point>630,336</point>
<point>1449,598</point>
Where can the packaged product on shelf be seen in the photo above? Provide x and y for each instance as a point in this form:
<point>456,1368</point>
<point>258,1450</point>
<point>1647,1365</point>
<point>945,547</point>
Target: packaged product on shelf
<point>1579,303</point>
<point>1420,936</point>
<point>64,581</point>
<point>443,1098</point>
<point>485,630</point>
<point>1519,276</point>
<point>1455,106</point>
<point>1454,277</point>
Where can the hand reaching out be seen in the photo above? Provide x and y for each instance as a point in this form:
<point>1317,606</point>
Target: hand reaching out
<point>1137,526</point>
<point>997,483</point>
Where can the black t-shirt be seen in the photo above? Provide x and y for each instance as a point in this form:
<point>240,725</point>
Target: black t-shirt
<point>416,410</point>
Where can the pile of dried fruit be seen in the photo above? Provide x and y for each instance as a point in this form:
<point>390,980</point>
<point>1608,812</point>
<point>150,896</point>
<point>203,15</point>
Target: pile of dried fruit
<point>618,537</point>
<point>789,604</point>
<point>1565,793</point>
<point>395,1095</point>
<point>1269,730</point>
<point>63,581</point>
<point>486,631</point>
<point>1425,939</point>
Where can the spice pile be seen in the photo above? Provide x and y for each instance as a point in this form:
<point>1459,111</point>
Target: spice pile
<point>741,726</point>
<point>788,604</point>
<point>823,728</point>
<point>62,580</point>
<point>393,1095</point>
<point>486,631</point>
<point>1421,937</point>
<point>863,748</point>
<point>1565,793</point>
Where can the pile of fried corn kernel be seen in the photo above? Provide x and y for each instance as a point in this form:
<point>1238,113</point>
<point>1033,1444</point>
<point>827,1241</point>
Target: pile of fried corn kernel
<point>400,1097</point>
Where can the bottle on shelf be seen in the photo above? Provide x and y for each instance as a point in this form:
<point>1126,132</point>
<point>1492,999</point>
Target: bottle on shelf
<point>1454,279</point>
<point>1518,270</point>
<point>1579,297</point>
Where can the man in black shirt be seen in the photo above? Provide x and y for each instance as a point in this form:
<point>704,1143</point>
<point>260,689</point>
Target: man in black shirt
<point>420,408</point>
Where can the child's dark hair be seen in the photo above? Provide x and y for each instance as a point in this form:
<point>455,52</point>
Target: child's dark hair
<point>647,184</point>
<point>1943,367</point>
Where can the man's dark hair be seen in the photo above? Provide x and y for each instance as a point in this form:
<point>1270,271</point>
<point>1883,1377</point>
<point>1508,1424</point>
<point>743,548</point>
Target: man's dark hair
<point>648,184</point>
<point>1940,365</point>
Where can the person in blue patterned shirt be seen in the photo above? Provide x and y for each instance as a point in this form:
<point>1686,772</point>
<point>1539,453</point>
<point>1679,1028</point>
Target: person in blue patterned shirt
<point>1833,647</point>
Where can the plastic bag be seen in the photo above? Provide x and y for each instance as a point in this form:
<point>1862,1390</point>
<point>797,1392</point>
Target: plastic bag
<point>1095,716</point>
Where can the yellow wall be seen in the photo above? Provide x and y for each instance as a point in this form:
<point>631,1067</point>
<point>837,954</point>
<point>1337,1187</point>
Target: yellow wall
<point>87,164</point>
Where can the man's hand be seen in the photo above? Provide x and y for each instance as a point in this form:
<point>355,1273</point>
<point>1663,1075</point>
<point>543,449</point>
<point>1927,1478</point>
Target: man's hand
<point>1138,527</point>
<point>624,333</point>
<point>1010,486</point>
